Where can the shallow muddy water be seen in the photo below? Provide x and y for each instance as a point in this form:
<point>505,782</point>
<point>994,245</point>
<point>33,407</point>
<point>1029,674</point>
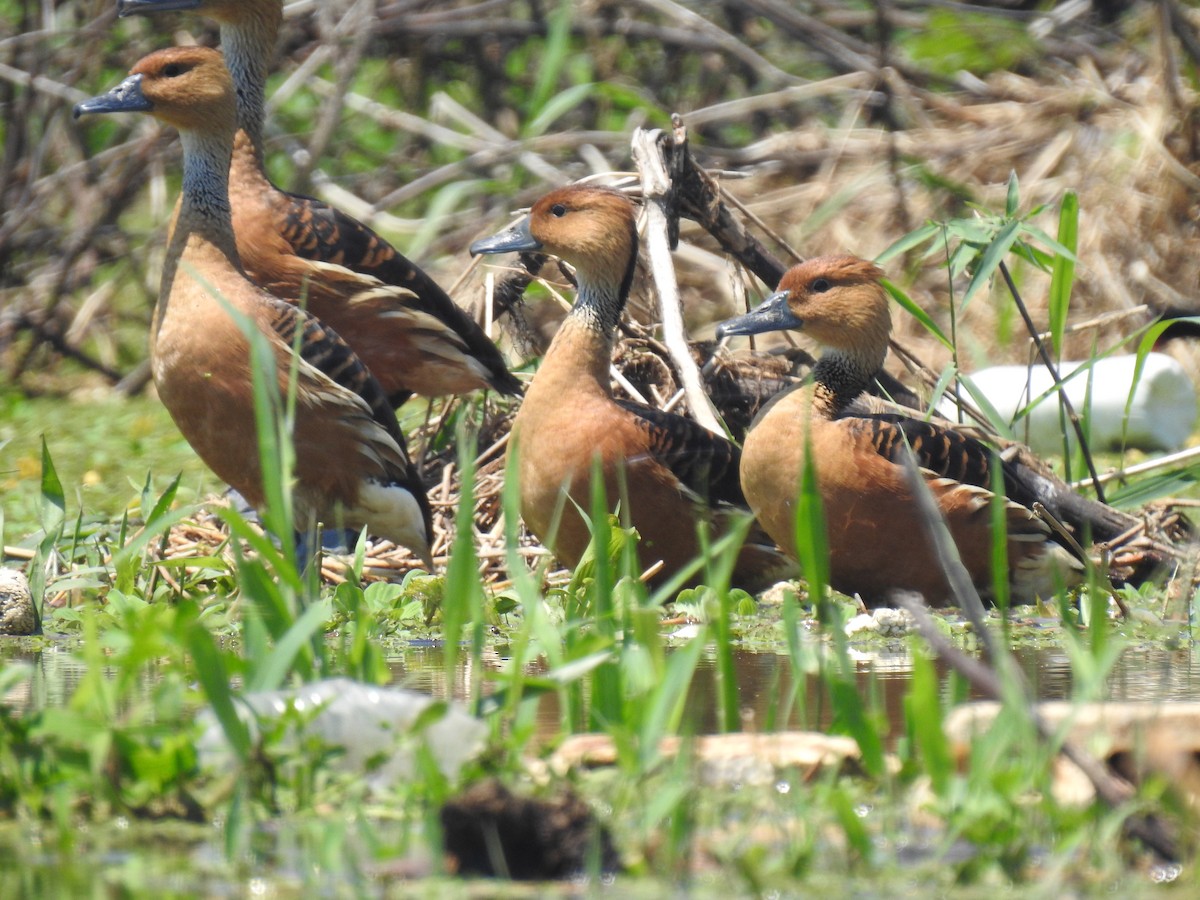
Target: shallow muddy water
<point>1145,673</point>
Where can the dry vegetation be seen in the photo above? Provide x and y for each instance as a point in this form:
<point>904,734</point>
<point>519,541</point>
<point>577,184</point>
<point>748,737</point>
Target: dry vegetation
<point>839,126</point>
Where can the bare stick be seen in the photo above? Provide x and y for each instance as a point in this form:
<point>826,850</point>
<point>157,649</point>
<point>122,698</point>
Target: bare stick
<point>657,188</point>
<point>1053,370</point>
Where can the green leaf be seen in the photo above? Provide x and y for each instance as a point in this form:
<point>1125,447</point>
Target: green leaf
<point>272,672</point>
<point>812,543</point>
<point>992,257</point>
<point>462,597</point>
<point>553,57</point>
<point>556,107</point>
<point>1063,273</point>
<point>669,700</point>
<point>915,310</point>
<point>851,715</point>
<point>1012,201</point>
<point>214,681</point>
<point>913,239</point>
<point>923,707</point>
<point>997,421</point>
<point>54,499</point>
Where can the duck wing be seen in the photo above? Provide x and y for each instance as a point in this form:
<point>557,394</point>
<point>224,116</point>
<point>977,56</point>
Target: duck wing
<point>945,452</point>
<point>320,233</point>
<point>704,463</point>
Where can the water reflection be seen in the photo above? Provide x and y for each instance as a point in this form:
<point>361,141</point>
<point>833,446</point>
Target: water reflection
<point>770,701</point>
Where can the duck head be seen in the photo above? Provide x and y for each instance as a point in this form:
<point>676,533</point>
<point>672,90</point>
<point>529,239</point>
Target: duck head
<point>188,87</point>
<point>592,228</point>
<point>837,300</point>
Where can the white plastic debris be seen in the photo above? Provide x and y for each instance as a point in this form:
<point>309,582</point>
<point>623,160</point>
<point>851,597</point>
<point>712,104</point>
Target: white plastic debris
<point>372,726</point>
<point>1161,414</point>
<point>883,620</point>
<point>860,623</point>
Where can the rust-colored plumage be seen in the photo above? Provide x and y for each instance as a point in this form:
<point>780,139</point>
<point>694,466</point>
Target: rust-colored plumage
<point>351,465</point>
<point>407,330</point>
<point>665,470</point>
<point>877,542</point>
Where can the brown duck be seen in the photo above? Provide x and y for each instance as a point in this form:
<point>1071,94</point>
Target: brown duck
<point>666,470</point>
<point>351,464</point>
<point>877,542</point>
<point>406,329</point>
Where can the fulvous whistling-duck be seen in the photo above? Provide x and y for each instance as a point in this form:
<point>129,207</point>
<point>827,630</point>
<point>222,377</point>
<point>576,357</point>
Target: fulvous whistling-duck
<point>665,470</point>
<point>406,329</point>
<point>877,541</point>
<point>352,467</point>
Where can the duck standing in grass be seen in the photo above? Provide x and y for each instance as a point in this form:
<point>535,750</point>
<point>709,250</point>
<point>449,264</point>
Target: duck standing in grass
<point>406,329</point>
<point>667,471</point>
<point>877,541</point>
<point>352,467</point>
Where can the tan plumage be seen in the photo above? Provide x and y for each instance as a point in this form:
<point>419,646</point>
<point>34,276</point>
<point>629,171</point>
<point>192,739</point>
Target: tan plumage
<point>877,541</point>
<point>352,467</point>
<point>665,470</point>
<point>407,330</point>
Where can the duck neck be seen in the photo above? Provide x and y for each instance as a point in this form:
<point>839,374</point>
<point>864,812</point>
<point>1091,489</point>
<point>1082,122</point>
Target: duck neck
<point>598,306</point>
<point>249,48</point>
<point>841,375</point>
<point>204,208</point>
<point>582,350</point>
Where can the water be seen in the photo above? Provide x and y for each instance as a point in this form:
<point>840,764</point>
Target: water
<point>1141,673</point>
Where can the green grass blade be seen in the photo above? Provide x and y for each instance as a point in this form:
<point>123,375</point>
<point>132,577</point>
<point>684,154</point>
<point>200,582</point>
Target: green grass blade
<point>914,309</point>
<point>913,239</point>
<point>1063,273</point>
<point>812,544</point>
<point>669,700</point>
<point>555,53</point>
<point>923,708</point>
<point>1012,199</point>
<point>606,686</point>
<point>272,672</point>
<point>556,107</point>
<point>462,597</point>
<point>999,517</point>
<point>54,498</point>
<point>214,681</point>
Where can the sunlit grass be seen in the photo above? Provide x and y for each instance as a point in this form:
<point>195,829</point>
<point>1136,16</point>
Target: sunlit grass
<point>103,448</point>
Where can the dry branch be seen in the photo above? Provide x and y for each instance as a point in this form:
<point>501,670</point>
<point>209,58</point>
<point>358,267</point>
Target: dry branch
<point>657,190</point>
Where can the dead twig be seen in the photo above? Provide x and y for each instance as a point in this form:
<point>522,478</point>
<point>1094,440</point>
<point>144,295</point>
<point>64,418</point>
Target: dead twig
<point>650,155</point>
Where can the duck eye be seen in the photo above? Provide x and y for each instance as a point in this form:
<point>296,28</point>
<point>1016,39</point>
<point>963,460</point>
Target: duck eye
<point>821,285</point>
<point>558,210</point>
<point>173,70</point>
